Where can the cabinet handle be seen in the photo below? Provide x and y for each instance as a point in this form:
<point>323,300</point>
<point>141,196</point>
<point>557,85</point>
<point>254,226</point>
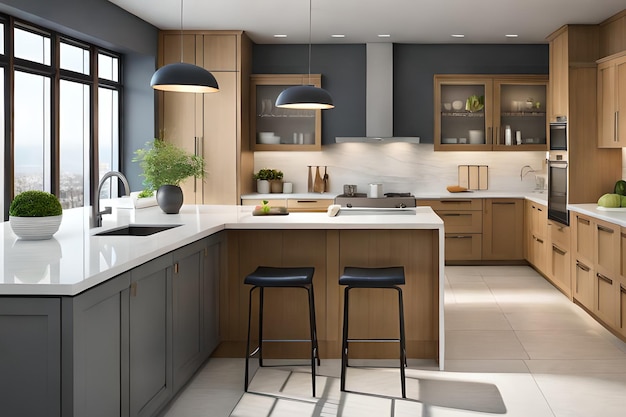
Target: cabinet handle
<point>307,201</point>
<point>453,214</point>
<point>503,202</point>
<point>176,268</point>
<point>624,235</point>
<point>539,240</point>
<point>583,221</point>
<point>605,229</point>
<point>622,289</point>
<point>605,279</point>
<point>459,237</point>
<point>133,289</point>
<point>558,250</point>
<point>582,266</point>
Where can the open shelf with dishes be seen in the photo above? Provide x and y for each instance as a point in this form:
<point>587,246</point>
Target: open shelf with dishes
<point>278,129</point>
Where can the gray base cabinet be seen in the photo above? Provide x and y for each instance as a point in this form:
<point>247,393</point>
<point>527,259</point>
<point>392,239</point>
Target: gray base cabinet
<point>30,348</point>
<point>149,337</point>
<point>123,348</point>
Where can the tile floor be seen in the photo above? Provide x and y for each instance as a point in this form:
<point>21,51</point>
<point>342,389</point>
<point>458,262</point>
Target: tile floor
<point>515,346</point>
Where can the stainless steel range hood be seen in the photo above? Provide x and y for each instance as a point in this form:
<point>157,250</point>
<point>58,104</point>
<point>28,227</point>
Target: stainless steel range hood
<point>379,97</point>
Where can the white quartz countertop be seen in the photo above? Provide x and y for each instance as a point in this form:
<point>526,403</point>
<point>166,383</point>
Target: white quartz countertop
<point>538,196</point>
<point>75,260</point>
<point>617,216</point>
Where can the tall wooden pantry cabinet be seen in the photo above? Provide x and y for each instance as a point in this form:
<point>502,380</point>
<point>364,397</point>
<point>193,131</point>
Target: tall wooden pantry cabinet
<point>214,125</point>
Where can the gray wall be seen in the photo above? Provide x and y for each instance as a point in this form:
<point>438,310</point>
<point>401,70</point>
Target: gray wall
<point>343,70</point>
<point>104,24</point>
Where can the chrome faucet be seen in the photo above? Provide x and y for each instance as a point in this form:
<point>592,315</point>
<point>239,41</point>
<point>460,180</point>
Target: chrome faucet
<point>96,217</point>
<point>522,174</point>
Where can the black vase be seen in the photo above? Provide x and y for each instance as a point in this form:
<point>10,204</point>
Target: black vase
<point>170,198</point>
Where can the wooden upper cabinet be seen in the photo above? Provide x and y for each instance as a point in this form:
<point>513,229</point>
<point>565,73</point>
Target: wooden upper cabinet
<point>278,129</point>
<point>612,102</point>
<point>559,75</point>
<point>220,52</point>
<point>517,101</point>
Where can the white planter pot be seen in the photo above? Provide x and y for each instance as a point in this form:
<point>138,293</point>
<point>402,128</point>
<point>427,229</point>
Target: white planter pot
<point>262,186</point>
<point>35,228</point>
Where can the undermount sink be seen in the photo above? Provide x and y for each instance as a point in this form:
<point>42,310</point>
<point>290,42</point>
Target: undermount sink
<point>137,230</point>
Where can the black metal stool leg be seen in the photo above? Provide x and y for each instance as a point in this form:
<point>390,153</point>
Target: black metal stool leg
<point>312,329</point>
<point>312,311</point>
<point>402,342</point>
<point>245,386</point>
<point>261,296</point>
<point>344,339</point>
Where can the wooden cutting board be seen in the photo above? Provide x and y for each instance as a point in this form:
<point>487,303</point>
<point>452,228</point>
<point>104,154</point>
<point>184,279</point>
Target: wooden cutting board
<point>318,185</point>
<point>474,177</point>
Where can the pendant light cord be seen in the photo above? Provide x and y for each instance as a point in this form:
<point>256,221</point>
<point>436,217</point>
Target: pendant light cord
<point>181,30</point>
<point>310,12</point>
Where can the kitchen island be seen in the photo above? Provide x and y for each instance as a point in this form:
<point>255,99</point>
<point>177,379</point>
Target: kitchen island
<point>116,325</point>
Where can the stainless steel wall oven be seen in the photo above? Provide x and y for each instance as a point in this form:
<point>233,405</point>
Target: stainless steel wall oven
<point>557,188</point>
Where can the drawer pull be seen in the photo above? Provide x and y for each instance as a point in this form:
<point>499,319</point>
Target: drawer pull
<point>583,221</point>
<point>539,240</point>
<point>454,214</point>
<point>558,250</point>
<point>624,235</point>
<point>605,229</point>
<point>582,266</point>
<point>307,201</point>
<point>133,289</point>
<point>503,202</point>
<point>459,237</point>
<point>622,289</point>
<point>605,279</point>
<point>455,201</point>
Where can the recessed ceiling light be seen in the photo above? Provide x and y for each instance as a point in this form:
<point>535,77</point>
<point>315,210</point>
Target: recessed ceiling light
<point>384,36</point>
<point>511,36</point>
<point>457,35</point>
<point>280,36</point>
<point>338,36</point>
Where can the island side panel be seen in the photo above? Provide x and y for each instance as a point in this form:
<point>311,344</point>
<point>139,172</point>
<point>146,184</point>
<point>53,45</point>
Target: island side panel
<point>374,312</point>
<point>329,251</point>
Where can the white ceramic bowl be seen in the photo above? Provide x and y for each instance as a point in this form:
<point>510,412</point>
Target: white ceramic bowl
<point>265,134</point>
<point>447,106</point>
<point>457,104</point>
<point>270,140</point>
<point>449,140</point>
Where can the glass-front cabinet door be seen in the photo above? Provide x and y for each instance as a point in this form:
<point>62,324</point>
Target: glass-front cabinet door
<point>463,113</point>
<point>490,112</point>
<point>278,129</point>
<point>520,114</point>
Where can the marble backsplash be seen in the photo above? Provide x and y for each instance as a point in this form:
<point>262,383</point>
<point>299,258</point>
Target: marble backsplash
<point>401,167</point>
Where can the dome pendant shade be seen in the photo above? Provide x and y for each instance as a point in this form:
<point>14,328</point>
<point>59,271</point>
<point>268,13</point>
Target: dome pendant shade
<point>305,97</point>
<point>184,78</point>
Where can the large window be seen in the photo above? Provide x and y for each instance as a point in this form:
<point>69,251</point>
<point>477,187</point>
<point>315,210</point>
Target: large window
<point>64,127</point>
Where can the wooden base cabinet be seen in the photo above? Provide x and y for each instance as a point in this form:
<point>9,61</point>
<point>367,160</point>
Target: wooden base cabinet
<point>537,248</point>
<point>503,229</point>
<point>583,290</point>
<point>559,261</point>
<point>463,219</point>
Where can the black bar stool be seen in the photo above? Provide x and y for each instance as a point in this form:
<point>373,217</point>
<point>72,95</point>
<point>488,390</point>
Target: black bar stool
<point>390,278</point>
<point>264,277</point>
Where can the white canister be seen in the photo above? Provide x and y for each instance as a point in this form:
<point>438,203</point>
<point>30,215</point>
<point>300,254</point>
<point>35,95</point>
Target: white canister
<point>287,187</point>
<point>376,190</point>
<point>507,135</point>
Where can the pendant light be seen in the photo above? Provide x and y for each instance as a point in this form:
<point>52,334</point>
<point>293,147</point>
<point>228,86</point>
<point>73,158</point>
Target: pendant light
<point>182,77</point>
<point>305,96</point>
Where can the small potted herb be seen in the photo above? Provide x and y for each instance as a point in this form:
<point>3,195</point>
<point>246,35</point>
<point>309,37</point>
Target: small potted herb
<point>35,215</point>
<point>269,180</point>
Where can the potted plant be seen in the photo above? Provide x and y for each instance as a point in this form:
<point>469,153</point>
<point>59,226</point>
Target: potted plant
<point>165,166</point>
<point>35,215</point>
<point>268,180</point>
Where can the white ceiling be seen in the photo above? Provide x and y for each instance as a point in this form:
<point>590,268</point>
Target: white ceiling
<point>407,21</point>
